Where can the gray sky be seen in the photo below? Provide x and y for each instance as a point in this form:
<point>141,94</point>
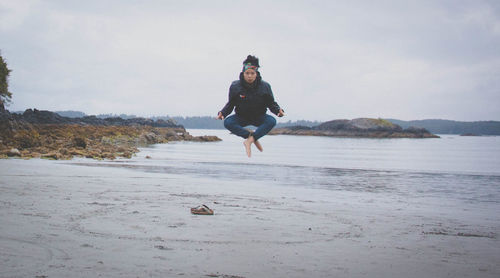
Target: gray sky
<point>324,59</point>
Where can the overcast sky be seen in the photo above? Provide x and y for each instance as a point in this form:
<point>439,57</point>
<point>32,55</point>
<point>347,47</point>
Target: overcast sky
<point>324,59</point>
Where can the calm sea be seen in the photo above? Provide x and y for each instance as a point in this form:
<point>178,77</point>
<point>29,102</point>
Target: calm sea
<point>465,169</point>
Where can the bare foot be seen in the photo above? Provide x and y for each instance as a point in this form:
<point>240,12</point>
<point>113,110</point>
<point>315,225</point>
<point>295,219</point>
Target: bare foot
<point>258,145</point>
<point>248,145</point>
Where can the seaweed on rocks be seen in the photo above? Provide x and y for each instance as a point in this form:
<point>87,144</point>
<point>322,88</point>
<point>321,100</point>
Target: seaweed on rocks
<point>45,134</point>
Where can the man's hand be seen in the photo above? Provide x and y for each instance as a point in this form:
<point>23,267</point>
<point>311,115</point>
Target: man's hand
<point>220,116</point>
<point>281,113</point>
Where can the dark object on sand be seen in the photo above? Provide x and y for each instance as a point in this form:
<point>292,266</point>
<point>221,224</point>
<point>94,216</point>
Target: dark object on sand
<point>202,210</point>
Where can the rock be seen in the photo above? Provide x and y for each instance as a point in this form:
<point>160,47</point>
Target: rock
<point>64,151</point>
<point>14,152</point>
<point>108,155</point>
<point>44,117</point>
<point>79,142</point>
<point>299,127</point>
<point>416,130</point>
<point>170,133</point>
<point>360,124</point>
<point>205,138</point>
<point>35,116</point>
<point>76,152</point>
<point>127,154</point>
<point>35,155</point>
<point>150,138</point>
<point>52,155</point>
<point>361,127</point>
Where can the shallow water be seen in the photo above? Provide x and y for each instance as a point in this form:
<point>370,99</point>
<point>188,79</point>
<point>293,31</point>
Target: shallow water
<point>465,169</point>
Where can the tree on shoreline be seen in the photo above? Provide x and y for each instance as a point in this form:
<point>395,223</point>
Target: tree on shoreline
<point>5,95</point>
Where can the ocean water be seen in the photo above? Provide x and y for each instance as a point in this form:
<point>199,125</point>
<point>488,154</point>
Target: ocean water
<point>459,168</point>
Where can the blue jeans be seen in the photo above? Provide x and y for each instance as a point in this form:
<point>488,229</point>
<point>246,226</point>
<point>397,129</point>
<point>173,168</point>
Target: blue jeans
<point>236,125</point>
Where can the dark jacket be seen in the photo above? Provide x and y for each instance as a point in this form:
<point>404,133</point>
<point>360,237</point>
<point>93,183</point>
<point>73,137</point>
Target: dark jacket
<point>250,100</point>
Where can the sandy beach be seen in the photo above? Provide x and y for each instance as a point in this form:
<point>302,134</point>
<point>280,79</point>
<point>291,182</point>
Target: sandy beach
<point>372,150</point>
<point>74,219</point>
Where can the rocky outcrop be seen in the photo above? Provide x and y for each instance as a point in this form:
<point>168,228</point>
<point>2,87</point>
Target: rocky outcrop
<point>45,134</point>
<point>362,127</point>
<point>35,116</point>
<point>9,124</point>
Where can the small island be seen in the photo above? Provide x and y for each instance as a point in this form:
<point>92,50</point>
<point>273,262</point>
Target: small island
<point>356,128</point>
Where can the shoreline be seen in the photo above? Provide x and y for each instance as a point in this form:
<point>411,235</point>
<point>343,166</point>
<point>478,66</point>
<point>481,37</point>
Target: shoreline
<point>98,142</point>
<point>45,134</point>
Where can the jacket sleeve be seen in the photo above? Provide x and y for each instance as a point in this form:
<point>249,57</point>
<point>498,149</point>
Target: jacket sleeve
<point>228,108</point>
<point>270,102</point>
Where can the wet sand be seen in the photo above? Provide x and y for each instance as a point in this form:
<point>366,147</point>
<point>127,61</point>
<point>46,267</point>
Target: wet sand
<point>69,219</point>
